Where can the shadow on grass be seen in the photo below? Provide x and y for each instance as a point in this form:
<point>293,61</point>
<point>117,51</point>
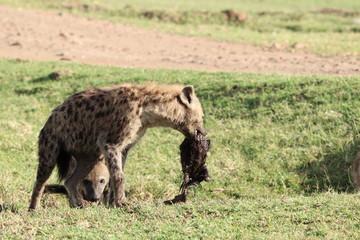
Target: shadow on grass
<point>332,173</point>
<point>32,91</point>
<point>54,76</point>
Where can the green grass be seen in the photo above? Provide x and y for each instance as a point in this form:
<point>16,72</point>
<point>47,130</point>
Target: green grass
<point>281,152</point>
<point>323,27</point>
<point>323,217</point>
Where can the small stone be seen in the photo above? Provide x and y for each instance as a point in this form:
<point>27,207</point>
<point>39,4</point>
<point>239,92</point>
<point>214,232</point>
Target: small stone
<point>16,44</point>
<point>63,35</point>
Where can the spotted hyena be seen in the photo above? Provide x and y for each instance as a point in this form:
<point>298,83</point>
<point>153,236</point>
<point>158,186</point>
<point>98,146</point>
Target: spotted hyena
<point>109,121</point>
<point>92,188</point>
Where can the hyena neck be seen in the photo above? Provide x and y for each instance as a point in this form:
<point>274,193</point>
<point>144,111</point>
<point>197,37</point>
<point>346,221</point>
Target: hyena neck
<point>164,114</point>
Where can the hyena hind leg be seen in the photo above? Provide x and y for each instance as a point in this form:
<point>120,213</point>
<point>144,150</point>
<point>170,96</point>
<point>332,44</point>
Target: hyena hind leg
<point>45,168</point>
<point>117,178</point>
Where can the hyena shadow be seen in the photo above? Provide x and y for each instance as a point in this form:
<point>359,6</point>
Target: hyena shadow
<point>331,172</point>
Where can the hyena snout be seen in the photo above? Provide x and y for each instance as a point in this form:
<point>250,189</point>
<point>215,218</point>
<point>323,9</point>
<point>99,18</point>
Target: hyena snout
<point>194,131</point>
<point>200,131</point>
<point>92,192</point>
<point>93,198</point>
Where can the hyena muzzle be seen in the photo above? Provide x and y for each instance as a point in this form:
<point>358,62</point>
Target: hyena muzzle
<point>109,121</point>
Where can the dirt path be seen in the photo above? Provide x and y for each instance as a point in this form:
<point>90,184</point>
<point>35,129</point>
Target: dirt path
<point>33,34</point>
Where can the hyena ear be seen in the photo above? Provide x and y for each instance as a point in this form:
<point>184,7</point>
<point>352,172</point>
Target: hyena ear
<point>187,95</point>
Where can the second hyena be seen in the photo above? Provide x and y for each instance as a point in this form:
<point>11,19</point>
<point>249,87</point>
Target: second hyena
<point>92,188</point>
<point>109,121</point>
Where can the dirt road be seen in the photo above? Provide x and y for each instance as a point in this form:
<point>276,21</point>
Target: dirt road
<point>34,34</point>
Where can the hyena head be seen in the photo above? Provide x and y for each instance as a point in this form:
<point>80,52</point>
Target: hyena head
<point>193,123</point>
<point>95,183</point>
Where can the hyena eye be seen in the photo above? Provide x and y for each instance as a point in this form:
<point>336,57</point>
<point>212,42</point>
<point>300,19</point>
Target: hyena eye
<point>102,181</point>
<point>86,182</point>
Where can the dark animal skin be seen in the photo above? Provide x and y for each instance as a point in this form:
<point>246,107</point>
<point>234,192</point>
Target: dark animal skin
<point>193,154</point>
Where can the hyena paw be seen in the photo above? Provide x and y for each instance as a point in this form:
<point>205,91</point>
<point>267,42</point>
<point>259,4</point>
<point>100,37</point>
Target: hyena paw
<point>120,204</point>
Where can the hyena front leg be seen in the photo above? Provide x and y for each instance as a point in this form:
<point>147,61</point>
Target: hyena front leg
<point>109,196</point>
<point>117,179</point>
<point>47,162</point>
<point>124,157</point>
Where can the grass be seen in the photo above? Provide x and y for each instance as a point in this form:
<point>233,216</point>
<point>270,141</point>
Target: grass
<point>288,218</point>
<point>280,161</point>
<point>323,27</point>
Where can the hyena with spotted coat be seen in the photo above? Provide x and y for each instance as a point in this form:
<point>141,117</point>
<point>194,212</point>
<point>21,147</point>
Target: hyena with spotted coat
<point>109,121</point>
<point>92,188</point>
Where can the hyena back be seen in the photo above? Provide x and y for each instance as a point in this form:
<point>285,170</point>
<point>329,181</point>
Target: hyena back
<point>110,121</point>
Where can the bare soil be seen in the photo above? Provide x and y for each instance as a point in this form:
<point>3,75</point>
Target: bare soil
<point>39,35</point>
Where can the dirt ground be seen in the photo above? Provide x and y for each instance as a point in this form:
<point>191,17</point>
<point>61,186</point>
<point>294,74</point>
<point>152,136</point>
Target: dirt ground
<point>39,35</point>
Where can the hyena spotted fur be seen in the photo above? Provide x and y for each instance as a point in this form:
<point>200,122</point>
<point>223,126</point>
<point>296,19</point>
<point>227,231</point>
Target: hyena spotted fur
<point>109,121</point>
